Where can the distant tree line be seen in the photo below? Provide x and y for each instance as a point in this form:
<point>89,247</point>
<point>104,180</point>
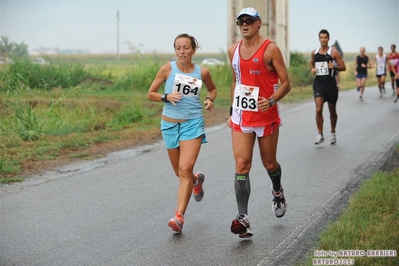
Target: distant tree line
<point>12,50</point>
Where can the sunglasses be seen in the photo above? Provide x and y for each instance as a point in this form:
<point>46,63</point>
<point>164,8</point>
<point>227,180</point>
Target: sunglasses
<point>248,21</point>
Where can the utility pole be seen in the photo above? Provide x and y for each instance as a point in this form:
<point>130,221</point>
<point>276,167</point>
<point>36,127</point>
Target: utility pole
<point>117,35</point>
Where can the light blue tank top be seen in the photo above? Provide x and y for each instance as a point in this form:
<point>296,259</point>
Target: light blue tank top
<point>189,107</point>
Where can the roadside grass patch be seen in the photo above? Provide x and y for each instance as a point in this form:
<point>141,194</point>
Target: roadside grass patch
<point>10,180</point>
<point>100,139</point>
<point>125,117</point>
<point>8,168</point>
<point>78,155</point>
<point>369,223</point>
<point>47,151</point>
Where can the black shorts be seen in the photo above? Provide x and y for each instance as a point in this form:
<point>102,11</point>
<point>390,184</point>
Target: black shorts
<point>392,74</point>
<point>397,83</point>
<point>329,95</point>
<point>379,76</point>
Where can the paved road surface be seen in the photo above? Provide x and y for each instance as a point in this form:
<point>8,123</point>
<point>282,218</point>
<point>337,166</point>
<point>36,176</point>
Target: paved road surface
<point>114,211</point>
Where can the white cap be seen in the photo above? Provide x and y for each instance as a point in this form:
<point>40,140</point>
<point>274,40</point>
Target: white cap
<point>249,11</point>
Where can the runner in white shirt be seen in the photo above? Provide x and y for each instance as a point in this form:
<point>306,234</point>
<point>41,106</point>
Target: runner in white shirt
<point>380,62</point>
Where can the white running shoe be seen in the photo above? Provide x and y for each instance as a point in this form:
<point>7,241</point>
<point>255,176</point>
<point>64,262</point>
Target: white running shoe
<point>279,204</point>
<point>333,139</point>
<point>319,139</point>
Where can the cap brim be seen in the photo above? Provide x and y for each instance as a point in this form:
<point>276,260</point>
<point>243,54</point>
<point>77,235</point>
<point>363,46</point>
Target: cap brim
<point>257,17</point>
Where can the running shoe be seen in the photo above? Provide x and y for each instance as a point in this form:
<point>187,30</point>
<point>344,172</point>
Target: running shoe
<point>279,206</point>
<point>240,226</point>
<point>358,88</point>
<point>177,222</point>
<point>333,139</point>
<point>397,97</point>
<point>361,98</point>
<point>319,139</point>
<point>198,192</point>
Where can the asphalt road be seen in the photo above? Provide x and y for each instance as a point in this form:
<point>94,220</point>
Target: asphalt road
<point>114,211</point>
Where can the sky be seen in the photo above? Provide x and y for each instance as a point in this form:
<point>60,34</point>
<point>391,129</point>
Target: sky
<point>150,26</point>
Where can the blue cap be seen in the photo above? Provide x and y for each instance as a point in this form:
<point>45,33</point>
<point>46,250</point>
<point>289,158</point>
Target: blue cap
<point>249,11</point>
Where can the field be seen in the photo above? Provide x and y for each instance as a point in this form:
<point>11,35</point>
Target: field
<point>83,106</point>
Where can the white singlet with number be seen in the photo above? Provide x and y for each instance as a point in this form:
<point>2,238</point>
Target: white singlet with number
<point>187,86</point>
<point>321,68</point>
<point>381,66</point>
<point>246,97</point>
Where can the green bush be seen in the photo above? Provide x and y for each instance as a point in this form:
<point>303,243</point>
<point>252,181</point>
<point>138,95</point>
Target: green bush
<point>299,71</point>
<point>27,123</point>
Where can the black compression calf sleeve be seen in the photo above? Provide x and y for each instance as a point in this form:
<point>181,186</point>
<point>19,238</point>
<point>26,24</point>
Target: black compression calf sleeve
<point>276,179</point>
<point>243,190</point>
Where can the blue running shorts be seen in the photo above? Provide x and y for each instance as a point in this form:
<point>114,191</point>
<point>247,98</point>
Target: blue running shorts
<point>173,133</point>
<point>361,76</point>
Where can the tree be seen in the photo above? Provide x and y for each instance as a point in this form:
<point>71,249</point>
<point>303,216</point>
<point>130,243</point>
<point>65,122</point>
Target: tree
<point>12,49</point>
<point>297,59</point>
<point>299,70</point>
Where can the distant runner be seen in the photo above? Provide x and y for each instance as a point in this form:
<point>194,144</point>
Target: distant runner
<point>380,69</point>
<point>362,63</point>
<point>392,57</point>
<point>396,73</point>
<point>325,85</point>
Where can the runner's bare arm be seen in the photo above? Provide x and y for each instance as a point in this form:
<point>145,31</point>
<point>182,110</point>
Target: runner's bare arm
<point>211,88</point>
<point>233,79</point>
<point>161,76</point>
<point>274,61</point>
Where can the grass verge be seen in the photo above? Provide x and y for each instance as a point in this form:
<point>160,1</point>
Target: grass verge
<point>369,224</point>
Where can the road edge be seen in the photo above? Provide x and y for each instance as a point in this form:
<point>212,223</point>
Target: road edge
<point>300,243</point>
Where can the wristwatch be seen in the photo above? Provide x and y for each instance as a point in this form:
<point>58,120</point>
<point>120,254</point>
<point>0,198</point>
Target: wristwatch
<point>271,101</point>
<point>164,98</point>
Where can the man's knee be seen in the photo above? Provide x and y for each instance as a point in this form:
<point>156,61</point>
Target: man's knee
<point>270,165</point>
<point>319,108</point>
<point>333,111</point>
<point>243,164</point>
